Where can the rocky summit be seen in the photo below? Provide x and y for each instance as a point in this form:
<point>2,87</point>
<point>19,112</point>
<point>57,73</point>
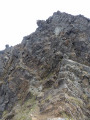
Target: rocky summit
<point>47,76</point>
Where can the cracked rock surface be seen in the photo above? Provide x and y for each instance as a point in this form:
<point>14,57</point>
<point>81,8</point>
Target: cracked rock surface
<point>47,76</point>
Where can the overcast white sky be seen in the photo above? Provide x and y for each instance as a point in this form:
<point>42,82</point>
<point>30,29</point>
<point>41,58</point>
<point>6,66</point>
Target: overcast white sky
<point>18,17</point>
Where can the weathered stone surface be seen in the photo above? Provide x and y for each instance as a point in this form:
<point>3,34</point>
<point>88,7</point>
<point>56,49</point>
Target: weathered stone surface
<point>48,74</point>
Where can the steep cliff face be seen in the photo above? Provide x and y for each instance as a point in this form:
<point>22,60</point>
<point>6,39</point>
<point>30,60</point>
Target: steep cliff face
<point>47,76</point>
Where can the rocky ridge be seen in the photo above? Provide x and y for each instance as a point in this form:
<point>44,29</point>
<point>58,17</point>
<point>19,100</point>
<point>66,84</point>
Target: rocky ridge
<point>47,76</point>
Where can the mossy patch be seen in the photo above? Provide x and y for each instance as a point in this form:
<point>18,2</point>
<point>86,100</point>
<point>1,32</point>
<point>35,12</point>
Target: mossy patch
<point>47,99</point>
<point>4,113</point>
<point>23,111</point>
<point>65,115</point>
<point>76,101</point>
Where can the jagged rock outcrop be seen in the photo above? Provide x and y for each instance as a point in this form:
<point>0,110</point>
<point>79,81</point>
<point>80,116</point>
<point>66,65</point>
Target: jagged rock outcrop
<point>47,76</point>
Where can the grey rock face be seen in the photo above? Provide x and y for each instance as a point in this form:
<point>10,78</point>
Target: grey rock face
<point>53,65</point>
<point>1,67</point>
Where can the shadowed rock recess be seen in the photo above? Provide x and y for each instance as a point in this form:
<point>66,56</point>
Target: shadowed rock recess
<point>47,76</point>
